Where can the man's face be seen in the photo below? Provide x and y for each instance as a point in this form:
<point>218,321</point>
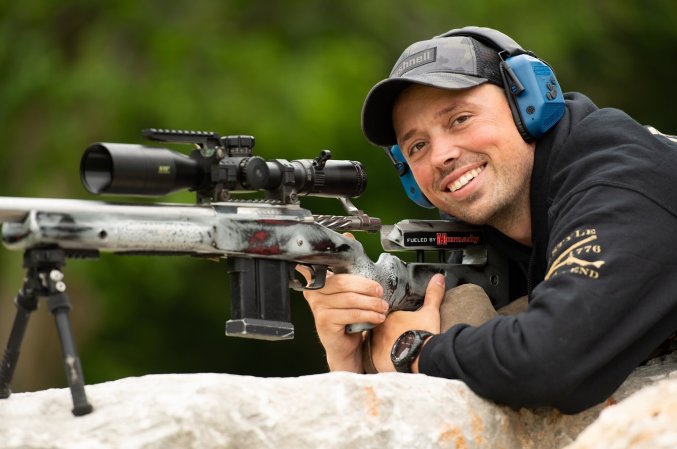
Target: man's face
<point>466,153</point>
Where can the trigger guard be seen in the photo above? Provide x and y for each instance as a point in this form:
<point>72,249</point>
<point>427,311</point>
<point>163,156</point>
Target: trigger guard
<point>318,277</point>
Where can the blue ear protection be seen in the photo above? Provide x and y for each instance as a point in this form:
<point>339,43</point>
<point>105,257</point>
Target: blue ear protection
<point>534,95</point>
<point>407,177</point>
<point>533,92</point>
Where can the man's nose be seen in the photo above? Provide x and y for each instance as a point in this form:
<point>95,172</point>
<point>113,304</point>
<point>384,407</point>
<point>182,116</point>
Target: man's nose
<point>444,152</point>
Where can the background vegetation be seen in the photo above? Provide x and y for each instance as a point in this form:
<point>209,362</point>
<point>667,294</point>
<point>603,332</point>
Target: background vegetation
<point>294,74</point>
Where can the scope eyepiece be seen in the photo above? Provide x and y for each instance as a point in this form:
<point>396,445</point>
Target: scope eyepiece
<point>332,178</point>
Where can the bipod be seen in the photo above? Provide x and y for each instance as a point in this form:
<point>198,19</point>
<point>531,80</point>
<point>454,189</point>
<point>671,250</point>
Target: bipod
<point>44,278</point>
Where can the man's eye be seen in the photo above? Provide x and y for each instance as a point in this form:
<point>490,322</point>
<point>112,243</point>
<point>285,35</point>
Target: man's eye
<point>460,119</point>
<point>416,147</point>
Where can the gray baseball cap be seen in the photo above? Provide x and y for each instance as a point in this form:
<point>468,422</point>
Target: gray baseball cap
<point>455,62</point>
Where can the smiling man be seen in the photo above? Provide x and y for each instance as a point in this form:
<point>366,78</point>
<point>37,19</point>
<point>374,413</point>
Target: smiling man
<point>580,199</point>
<point>467,155</point>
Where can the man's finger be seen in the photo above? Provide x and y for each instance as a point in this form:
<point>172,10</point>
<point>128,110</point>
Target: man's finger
<point>305,272</point>
<point>340,283</point>
<point>434,294</point>
<point>344,317</point>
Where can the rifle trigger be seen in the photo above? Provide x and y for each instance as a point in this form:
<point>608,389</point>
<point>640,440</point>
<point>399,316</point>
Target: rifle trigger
<point>317,281</point>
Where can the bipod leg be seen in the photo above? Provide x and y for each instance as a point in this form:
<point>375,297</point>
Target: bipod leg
<point>45,279</point>
<point>26,302</point>
<point>59,306</point>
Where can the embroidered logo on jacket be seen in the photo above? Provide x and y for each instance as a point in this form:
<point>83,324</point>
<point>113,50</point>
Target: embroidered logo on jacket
<point>577,253</point>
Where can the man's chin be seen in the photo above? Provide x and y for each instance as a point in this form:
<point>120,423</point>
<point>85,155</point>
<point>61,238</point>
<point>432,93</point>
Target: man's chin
<point>470,218</point>
<point>472,215</point>
<point>471,210</point>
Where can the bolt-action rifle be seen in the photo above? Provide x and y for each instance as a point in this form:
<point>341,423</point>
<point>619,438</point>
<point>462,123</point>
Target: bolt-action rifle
<point>262,239</point>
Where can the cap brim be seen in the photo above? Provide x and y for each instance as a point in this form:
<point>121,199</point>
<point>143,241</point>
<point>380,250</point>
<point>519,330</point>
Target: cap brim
<point>377,121</point>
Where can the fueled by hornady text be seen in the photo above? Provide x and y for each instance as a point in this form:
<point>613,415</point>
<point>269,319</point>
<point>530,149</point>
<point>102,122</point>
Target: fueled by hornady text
<point>442,239</point>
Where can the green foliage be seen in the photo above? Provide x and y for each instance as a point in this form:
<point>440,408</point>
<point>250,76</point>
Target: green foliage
<point>292,73</point>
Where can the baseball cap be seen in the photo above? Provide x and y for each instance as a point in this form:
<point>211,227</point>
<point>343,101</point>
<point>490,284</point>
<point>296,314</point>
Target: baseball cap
<point>455,62</point>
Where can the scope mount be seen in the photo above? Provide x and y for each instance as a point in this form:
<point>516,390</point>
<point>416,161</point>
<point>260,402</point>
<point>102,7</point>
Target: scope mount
<point>212,146</point>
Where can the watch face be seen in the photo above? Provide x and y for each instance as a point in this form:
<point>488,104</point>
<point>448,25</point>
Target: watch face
<point>404,345</point>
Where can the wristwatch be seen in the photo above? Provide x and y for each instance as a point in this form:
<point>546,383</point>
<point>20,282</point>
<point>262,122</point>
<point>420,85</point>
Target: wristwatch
<point>406,348</point>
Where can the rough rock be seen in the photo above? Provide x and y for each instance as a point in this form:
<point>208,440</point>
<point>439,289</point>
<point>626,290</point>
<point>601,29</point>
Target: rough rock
<point>334,410</point>
<point>646,420</point>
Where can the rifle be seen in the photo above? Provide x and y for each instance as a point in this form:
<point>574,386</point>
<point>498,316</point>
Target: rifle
<point>262,239</point>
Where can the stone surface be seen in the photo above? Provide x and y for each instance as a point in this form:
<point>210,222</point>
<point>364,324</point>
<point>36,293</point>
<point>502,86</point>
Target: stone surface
<point>334,410</point>
<point>646,420</point>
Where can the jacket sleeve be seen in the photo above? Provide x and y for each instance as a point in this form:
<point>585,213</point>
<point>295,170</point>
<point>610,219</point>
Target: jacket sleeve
<point>608,299</point>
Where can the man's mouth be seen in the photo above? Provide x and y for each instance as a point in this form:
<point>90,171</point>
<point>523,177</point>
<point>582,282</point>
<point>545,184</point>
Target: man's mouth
<point>465,178</point>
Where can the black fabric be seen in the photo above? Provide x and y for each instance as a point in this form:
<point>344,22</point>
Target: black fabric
<point>603,270</point>
<point>488,36</point>
<point>488,63</point>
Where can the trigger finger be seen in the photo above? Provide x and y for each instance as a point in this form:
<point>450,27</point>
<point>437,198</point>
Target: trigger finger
<point>305,272</point>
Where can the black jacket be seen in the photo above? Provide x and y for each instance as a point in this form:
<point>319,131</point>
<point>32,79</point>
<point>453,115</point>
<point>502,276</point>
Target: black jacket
<point>602,274</point>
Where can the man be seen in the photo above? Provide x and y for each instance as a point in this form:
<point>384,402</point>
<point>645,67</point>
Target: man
<point>580,198</point>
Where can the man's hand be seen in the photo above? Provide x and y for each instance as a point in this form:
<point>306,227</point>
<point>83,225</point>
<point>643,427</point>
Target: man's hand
<point>426,318</point>
<point>345,299</point>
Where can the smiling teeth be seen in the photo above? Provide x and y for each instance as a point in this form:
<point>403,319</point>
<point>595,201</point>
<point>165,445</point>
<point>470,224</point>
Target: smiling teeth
<point>465,179</point>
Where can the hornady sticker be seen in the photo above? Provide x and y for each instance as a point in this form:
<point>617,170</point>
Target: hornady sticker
<point>443,239</point>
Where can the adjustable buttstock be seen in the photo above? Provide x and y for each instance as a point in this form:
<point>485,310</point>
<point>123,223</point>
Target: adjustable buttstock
<point>259,305</point>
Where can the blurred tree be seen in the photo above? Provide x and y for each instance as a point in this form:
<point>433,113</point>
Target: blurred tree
<point>294,74</point>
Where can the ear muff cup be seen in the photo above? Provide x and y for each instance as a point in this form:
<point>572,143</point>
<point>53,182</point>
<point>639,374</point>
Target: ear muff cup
<point>411,188</point>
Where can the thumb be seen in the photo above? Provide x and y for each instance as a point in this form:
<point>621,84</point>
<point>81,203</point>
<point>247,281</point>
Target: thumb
<point>434,294</point>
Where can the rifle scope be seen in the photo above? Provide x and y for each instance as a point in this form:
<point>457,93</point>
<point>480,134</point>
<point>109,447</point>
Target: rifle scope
<point>129,169</point>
